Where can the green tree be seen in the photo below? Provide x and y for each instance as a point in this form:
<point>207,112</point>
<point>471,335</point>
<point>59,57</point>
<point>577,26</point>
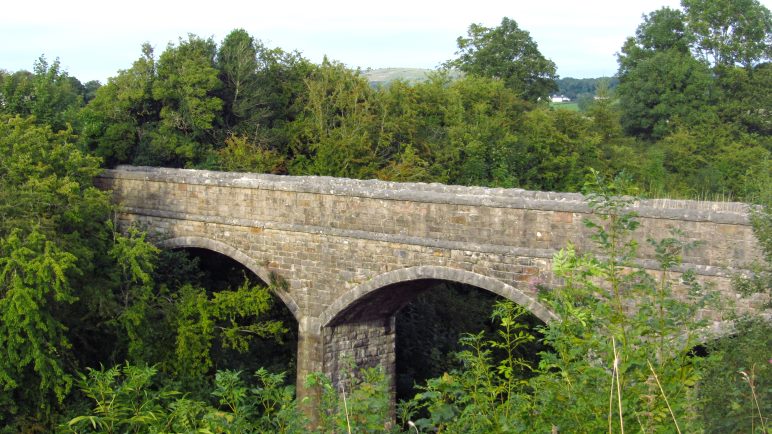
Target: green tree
<point>186,319</point>
<point>554,149</point>
<point>282,83</point>
<point>459,132</point>
<point>73,292</point>
<point>730,32</point>
<point>664,29</point>
<point>508,53</point>
<point>421,115</point>
<point>660,84</point>
<point>33,281</point>
<point>16,93</point>
<point>605,114</point>
<point>118,122</point>
<point>50,219</point>
<point>238,65</point>
<point>231,316</point>
<point>664,91</point>
<point>260,89</point>
<point>744,97</point>
<point>48,93</point>
<point>481,132</point>
<point>186,87</point>
<point>334,134</point>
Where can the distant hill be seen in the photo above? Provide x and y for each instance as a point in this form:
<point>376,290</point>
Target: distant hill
<point>572,88</point>
<point>381,76</point>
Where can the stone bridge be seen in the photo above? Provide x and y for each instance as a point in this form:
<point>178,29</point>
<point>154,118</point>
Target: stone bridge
<point>350,253</point>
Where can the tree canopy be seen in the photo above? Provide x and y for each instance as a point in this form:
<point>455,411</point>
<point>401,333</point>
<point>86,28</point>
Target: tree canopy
<point>730,32</point>
<point>510,54</point>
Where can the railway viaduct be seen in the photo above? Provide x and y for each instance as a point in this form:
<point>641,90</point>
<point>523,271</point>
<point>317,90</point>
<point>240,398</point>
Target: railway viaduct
<point>350,253</point>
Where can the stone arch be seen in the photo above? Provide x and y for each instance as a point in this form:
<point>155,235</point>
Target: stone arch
<point>237,255</point>
<point>405,275</point>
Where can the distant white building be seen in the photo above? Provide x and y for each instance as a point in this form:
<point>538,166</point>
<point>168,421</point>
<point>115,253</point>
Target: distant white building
<point>560,98</point>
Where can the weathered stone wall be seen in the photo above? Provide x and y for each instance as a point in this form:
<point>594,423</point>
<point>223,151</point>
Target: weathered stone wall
<point>359,345</point>
<point>349,253</point>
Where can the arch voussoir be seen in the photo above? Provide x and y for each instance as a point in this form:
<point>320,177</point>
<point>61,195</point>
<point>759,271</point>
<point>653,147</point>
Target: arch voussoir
<point>428,272</point>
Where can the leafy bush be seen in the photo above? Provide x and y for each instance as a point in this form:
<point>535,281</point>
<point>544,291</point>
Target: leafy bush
<point>362,404</point>
<point>482,396</point>
<point>735,393</point>
<point>125,399</point>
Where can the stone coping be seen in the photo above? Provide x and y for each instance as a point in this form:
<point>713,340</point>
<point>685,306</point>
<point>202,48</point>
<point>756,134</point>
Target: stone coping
<point>684,210</point>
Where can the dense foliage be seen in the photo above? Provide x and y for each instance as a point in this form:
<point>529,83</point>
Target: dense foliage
<point>683,79</point>
<point>578,88</point>
<point>508,53</point>
<point>680,123</point>
<point>74,293</point>
<point>103,332</point>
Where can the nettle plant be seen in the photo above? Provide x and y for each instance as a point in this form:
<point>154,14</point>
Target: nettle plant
<point>622,349</point>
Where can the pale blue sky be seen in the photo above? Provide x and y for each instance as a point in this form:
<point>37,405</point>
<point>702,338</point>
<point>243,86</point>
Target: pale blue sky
<point>95,39</point>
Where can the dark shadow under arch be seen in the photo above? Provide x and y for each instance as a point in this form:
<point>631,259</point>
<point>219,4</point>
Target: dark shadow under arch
<point>369,299</point>
<point>236,255</point>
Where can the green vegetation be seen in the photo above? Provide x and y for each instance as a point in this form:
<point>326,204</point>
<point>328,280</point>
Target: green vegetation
<point>102,332</point>
<point>570,106</point>
<point>74,293</point>
<point>582,88</point>
<point>509,54</point>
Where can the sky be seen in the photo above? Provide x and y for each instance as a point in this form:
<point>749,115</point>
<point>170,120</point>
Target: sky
<point>95,39</point>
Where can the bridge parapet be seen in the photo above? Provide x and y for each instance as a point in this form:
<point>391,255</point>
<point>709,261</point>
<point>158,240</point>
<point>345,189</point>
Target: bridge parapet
<point>503,220</point>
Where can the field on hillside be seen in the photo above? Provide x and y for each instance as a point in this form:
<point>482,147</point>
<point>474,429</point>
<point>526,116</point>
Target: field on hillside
<point>411,75</point>
<point>572,106</point>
